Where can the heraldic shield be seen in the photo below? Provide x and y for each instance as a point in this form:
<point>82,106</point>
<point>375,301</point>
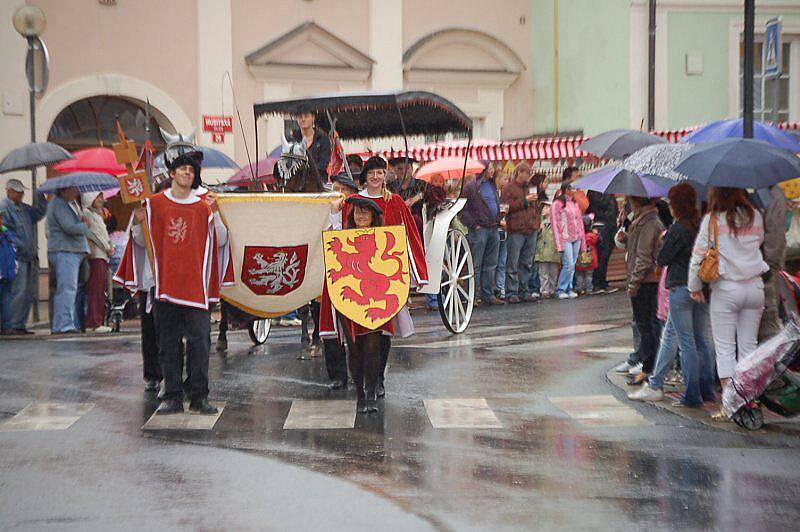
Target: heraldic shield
<point>366,273</point>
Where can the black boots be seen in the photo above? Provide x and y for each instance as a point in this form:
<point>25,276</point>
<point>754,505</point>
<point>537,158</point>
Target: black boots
<point>170,406</point>
<point>202,406</point>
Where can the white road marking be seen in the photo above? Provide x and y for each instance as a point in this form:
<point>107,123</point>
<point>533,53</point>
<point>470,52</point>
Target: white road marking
<point>185,421</point>
<point>491,339</point>
<point>461,414</point>
<point>599,411</point>
<point>46,416</point>
<point>336,414</point>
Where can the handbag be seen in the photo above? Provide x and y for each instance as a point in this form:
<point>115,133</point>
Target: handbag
<point>709,266</point>
<point>585,259</point>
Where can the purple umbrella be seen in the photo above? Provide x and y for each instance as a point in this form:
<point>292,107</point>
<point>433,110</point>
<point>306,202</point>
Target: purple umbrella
<point>616,180</point>
<point>727,129</point>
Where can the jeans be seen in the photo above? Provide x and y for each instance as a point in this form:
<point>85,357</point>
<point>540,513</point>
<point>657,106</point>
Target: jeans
<point>667,350</point>
<point>690,320</point>
<point>431,301</point>
<point>66,266</point>
<point>568,259</point>
<point>583,281</point>
<point>484,244</point>
<point>736,309</point>
<point>521,249</point>
<point>535,283</point>
<point>502,262</point>
<point>644,305</point>
<point>21,296</point>
<point>5,305</point>
<point>548,275</point>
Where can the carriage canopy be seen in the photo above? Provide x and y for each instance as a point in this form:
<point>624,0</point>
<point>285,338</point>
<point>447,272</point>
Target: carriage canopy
<point>362,115</point>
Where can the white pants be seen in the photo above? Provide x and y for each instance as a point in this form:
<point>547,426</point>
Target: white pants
<point>736,308</point>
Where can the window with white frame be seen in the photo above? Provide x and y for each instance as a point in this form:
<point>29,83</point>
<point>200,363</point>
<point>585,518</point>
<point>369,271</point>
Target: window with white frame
<point>763,89</point>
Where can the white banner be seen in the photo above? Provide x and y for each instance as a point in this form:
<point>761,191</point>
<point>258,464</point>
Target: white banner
<point>276,247</point>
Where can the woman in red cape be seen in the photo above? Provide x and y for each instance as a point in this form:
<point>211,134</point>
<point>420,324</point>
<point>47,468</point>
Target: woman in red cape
<point>395,212</point>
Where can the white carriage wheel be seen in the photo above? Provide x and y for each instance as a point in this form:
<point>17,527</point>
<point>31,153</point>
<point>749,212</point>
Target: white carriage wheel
<point>259,330</point>
<point>457,292</point>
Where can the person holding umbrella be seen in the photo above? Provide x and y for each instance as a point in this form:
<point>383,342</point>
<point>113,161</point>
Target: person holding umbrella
<point>67,246</point>
<point>21,219</point>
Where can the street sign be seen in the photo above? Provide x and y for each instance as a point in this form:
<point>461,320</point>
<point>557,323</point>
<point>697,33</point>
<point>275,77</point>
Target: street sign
<point>218,124</point>
<point>218,138</point>
<point>772,60</point>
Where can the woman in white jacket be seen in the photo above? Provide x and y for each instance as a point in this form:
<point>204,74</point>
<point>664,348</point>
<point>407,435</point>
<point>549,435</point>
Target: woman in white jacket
<point>100,248</point>
<point>737,297</point>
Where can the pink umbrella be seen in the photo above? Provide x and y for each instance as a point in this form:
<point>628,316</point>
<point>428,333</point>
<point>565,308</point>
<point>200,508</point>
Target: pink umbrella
<point>92,160</point>
<point>263,173</point>
<point>449,168</point>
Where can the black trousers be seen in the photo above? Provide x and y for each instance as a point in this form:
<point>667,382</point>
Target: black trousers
<point>645,305</point>
<point>335,360</point>
<point>605,246</point>
<point>150,367</point>
<point>386,346</point>
<point>174,324</point>
<point>365,363</point>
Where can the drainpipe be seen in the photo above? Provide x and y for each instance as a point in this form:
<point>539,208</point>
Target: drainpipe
<point>555,67</point>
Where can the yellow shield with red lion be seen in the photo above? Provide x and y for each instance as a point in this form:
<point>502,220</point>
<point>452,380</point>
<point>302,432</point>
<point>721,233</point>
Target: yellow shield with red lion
<point>366,273</point>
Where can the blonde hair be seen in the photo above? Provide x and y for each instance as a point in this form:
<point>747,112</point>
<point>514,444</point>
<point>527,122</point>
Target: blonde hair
<point>387,194</point>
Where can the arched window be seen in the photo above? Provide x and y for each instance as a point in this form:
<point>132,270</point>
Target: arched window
<point>92,122</point>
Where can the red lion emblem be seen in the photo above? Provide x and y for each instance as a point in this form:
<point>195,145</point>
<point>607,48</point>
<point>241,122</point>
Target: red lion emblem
<point>373,287</point>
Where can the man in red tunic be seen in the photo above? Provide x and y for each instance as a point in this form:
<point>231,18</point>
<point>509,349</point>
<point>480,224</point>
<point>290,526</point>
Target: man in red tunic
<point>186,276</point>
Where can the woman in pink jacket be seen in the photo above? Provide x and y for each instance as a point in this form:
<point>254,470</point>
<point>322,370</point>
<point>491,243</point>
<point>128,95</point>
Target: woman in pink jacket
<point>569,236</point>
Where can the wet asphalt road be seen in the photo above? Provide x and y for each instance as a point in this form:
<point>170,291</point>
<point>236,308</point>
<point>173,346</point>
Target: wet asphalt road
<point>541,469</point>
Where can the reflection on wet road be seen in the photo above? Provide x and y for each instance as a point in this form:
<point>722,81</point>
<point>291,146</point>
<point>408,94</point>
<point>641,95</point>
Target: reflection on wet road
<point>511,425</point>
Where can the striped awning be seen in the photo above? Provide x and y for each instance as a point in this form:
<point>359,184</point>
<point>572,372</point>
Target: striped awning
<point>542,148</point>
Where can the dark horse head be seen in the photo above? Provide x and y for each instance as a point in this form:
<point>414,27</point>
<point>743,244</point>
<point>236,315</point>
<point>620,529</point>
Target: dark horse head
<point>294,171</point>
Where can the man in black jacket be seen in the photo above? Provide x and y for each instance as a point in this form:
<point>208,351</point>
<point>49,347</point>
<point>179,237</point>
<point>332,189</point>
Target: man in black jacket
<point>605,212</point>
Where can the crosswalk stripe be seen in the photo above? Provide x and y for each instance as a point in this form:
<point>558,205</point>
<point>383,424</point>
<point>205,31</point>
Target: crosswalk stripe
<point>332,414</point>
<point>487,339</point>
<point>185,421</point>
<point>461,414</point>
<point>46,416</point>
<point>599,411</point>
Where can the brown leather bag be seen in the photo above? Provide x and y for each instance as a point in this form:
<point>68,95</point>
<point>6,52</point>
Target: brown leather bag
<point>709,266</point>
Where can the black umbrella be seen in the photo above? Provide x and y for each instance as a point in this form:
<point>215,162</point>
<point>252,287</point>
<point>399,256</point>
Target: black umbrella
<point>619,143</point>
<point>33,155</point>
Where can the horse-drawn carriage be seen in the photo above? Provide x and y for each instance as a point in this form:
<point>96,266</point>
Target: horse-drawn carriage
<point>360,116</point>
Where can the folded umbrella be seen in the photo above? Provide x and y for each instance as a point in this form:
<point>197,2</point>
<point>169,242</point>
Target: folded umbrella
<point>734,128</point>
<point>33,155</point>
<point>616,180</point>
<point>739,163</point>
<point>82,181</point>
<point>619,143</point>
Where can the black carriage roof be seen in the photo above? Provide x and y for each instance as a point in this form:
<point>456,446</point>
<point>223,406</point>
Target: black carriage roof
<point>361,115</point>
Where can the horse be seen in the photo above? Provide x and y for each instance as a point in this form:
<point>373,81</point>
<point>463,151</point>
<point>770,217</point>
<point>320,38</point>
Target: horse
<point>294,172</point>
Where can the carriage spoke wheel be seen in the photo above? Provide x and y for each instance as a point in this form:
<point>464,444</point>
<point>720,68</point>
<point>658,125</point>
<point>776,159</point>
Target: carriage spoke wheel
<point>259,330</point>
<point>457,292</point>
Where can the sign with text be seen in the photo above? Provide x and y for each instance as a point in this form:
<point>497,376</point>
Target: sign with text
<point>218,138</point>
<point>218,124</point>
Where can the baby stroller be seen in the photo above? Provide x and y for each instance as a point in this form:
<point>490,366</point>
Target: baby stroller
<point>769,377</point>
<point>119,305</point>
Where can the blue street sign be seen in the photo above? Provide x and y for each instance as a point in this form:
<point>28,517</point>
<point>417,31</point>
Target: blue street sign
<point>772,60</point>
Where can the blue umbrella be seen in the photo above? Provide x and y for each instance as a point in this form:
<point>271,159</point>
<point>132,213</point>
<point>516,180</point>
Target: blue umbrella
<point>729,129</point>
<point>83,181</point>
<point>211,159</point>
<point>616,180</point>
<point>619,143</point>
<point>739,163</point>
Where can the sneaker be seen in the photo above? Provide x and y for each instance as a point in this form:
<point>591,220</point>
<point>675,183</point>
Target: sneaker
<point>623,368</point>
<point>530,298</point>
<point>103,329</point>
<point>572,295</point>
<point>562,295</point>
<point>646,393</point>
<point>513,300</point>
<point>635,370</point>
